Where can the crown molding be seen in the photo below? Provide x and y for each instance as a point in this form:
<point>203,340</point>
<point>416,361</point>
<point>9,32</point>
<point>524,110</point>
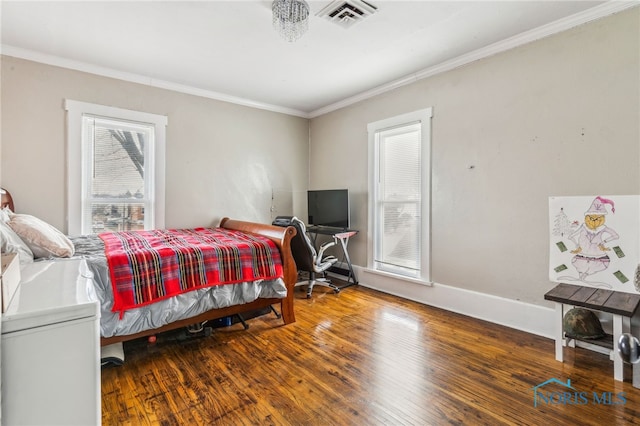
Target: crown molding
<point>538,33</point>
<point>558,26</point>
<point>57,61</point>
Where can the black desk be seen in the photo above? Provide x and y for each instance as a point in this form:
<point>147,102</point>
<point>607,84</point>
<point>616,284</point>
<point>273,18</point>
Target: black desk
<point>343,236</point>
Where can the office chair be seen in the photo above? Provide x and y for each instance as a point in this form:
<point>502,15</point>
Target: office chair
<point>307,259</point>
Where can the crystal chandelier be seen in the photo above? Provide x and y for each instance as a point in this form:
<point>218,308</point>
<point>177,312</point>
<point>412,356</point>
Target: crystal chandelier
<point>290,18</point>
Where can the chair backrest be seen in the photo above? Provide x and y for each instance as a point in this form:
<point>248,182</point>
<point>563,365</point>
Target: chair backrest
<point>302,249</point>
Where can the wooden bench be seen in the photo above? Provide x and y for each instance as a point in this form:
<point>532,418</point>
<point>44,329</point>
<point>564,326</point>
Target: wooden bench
<point>620,304</point>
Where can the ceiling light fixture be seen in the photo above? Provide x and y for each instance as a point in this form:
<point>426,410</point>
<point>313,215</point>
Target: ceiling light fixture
<point>290,18</point>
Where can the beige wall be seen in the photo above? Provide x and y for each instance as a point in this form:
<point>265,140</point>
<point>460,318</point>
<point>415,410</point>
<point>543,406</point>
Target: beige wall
<point>222,159</point>
<point>559,116</point>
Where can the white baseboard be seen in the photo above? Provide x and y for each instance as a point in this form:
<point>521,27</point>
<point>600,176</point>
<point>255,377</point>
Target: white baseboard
<point>527,317</point>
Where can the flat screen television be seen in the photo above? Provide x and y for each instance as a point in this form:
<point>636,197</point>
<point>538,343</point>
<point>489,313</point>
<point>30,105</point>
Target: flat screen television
<point>328,207</point>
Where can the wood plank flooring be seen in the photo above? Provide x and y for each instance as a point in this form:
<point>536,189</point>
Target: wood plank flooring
<point>363,358</point>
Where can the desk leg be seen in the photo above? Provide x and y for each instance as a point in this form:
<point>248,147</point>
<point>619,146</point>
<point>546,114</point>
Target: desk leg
<point>559,317</point>
<point>352,275</point>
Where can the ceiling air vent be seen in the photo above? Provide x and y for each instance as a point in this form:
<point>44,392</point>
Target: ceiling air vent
<point>347,12</point>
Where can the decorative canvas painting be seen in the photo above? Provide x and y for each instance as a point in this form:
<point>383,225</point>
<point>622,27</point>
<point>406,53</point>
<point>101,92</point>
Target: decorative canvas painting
<point>594,241</point>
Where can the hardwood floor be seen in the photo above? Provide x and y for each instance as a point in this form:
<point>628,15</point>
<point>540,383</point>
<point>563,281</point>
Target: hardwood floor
<point>363,358</point>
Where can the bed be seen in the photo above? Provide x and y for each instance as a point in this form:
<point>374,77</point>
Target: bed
<point>196,306</point>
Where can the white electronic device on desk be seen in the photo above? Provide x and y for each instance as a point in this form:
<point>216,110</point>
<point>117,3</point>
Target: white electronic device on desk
<point>51,347</point>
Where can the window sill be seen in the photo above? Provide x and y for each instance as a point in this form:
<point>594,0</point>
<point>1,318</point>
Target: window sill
<point>398,277</point>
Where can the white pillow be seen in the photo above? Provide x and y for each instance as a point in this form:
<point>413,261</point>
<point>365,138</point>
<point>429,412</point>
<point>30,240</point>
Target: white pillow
<point>11,243</point>
<point>43,239</point>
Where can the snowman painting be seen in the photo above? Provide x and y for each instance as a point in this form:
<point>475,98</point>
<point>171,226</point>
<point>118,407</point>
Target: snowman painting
<point>591,239</point>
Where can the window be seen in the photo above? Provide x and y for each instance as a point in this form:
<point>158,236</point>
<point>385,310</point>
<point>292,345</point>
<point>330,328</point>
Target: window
<point>399,152</point>
<point>116,169</point>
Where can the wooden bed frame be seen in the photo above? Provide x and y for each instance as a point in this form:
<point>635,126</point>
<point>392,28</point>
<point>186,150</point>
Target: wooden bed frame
<point>282,238</point>
<point>279,235</point>
<point>5,199</point>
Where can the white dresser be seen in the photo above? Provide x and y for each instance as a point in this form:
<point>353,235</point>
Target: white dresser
<point>51,348</point>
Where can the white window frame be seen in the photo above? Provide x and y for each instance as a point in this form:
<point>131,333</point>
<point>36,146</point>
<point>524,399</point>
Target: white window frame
<point>422,116</point>
<point>76,186</point>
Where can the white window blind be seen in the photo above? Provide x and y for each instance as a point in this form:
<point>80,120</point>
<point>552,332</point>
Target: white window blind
<point>399,199</point>
<point>399,151</point>
<point>118,189</point>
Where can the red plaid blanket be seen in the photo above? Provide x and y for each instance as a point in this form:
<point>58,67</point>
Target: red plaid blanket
<point>147,266</point>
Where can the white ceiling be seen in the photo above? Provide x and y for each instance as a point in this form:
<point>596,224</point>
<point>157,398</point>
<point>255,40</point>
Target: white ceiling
<point>228,49</point>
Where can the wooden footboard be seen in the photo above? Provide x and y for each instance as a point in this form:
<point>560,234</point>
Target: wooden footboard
<point>282,238</point>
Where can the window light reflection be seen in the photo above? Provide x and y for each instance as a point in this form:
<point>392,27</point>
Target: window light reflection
<point>410,323</point>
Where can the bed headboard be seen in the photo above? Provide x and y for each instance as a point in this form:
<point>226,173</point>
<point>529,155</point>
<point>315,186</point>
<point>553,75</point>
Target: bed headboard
<point>7,200</point>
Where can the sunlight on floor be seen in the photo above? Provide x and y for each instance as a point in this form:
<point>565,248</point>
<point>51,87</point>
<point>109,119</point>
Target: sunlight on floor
<point>400,363</point>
